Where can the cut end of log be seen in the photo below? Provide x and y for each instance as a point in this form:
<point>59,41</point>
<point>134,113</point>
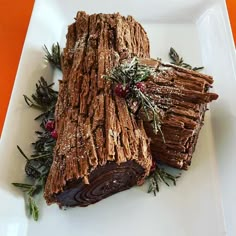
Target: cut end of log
<point>103,182</point>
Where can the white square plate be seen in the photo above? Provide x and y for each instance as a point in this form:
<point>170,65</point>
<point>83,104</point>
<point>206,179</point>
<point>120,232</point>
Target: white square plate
<point>199,30</point>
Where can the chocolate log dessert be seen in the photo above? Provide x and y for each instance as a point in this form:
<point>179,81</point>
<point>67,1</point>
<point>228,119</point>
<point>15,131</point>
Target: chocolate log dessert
<point>181,96</point>
<point>101,149</point>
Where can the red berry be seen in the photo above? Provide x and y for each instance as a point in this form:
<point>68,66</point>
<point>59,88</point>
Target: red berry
<point>50,125</point>
<point>121,90</point>
<point>141,86</point>
<point>54,134</point>
<point>153,167</point>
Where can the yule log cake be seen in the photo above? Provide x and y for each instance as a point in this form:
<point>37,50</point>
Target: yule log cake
<point>103,144</point>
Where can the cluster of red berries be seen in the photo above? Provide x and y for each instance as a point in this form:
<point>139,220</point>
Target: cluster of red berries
<point>123,90</point>
<point>50,126</point>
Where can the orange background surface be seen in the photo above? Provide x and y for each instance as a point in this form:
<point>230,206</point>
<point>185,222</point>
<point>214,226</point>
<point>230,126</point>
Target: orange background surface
<point>14,20</point>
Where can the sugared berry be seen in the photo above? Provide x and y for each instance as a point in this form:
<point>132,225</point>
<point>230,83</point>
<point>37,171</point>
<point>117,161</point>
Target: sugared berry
<point>141,86</point>
<point>50,125</point>
<point>121,90</point>
<point>54,134</point>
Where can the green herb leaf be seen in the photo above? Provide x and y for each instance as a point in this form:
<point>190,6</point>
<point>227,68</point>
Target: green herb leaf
<point>33,208</point>
<point>22,186</point>
<point>148,105</point>
<point>38,165</point>
<point>30,103</point>
<point>53,57</point>
<point>35,189</point>
<point>22,153</point>
<point>198,68</point>
<point>179,61</point>
<point>158,176</point>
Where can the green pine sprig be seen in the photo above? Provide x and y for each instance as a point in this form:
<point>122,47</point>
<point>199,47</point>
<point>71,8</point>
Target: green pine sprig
<point>158,176</point>
<point>179,61</point>
<point>30,190</point>
<point>53,56</point>
<point>129,75</point>
<point>38,164</point>
<point>150,107</point>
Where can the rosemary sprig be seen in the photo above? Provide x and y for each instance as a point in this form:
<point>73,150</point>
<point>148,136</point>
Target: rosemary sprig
<point>148,105</point>
<point>33,208</point>
<point>158,176</point>
<point>30,191</point>
<point>128,78</point>
<point>129,73</point>
<point>44,98</point>
<point>179,61</point>
<point>54,57</point>
<point>38,164</point>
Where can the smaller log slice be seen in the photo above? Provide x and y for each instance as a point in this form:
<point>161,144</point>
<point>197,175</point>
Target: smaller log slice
<point>181,96</point>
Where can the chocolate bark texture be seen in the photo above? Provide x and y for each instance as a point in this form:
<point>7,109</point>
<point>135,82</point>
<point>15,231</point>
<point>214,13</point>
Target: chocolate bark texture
<point>101,148</point>
<point>181,96</point>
